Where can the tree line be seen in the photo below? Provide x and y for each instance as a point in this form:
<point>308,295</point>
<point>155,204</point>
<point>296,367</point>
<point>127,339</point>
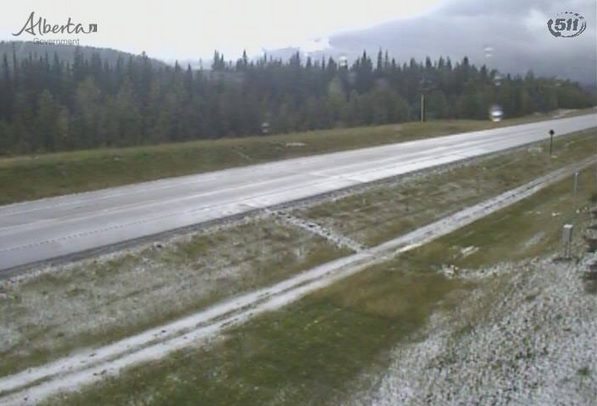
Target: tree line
<point>49,104</point>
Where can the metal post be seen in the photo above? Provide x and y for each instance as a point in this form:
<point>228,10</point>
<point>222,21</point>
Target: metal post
<point>551,133</point>
<point>422,107</point>
<point>567,239</point>
<point>575,183</point>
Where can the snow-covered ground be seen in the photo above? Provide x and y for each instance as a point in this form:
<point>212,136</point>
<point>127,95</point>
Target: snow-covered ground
<point>51,309</point>
<point>87,366</point>
<point>528,336</point>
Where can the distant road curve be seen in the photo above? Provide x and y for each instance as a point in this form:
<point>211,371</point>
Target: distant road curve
<point>55,227</point>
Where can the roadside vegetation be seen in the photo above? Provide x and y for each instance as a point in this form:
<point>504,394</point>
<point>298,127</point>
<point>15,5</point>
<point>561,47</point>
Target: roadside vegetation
<point>37,176</point>
<point>325,347</point>
<point>387,210</point>
<point>98,301</point>
<point>58,102</point>
<point>124,293</point>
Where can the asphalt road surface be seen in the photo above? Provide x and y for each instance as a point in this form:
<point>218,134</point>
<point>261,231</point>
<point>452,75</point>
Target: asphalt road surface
<point>56,227</point>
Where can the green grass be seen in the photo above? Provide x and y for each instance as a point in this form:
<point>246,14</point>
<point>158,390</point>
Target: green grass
<point>376,215</point>
<point>584,372</point>
<point>97,302</point>
<point>503,235</point>
<point>302,355</point>
<point>385,211</point>
<point>315,351</point>
<point>34,177</point>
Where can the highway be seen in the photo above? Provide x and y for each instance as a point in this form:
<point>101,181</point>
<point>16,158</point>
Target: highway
<point>55,227</point>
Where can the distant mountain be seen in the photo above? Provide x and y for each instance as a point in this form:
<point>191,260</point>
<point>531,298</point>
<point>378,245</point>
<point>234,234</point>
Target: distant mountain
<point>65,52</point>
<point>509,35</point>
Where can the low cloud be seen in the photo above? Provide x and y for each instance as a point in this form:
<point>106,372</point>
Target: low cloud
<point>516,30</point>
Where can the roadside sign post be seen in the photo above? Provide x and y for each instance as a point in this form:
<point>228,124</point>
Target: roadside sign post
<point>567,239</point>
<point>551,134</point>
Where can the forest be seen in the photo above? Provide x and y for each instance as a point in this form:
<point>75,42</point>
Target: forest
<point>51,103</point>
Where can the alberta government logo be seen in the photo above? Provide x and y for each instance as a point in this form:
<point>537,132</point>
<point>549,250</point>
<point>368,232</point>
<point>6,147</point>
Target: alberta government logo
<point>39,26</point>
<point>567,24</point>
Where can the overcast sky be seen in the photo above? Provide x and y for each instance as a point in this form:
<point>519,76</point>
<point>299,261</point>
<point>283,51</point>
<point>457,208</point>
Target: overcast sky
<point>515,30</point>
<point>192,29</point>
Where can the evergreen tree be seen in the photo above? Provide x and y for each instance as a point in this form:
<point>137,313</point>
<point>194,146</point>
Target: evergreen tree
<point>50,104</point>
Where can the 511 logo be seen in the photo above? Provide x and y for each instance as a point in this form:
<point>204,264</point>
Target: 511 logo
<point>567,24</point>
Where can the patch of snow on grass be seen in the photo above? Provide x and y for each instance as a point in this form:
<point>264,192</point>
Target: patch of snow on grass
<point>532,342</point>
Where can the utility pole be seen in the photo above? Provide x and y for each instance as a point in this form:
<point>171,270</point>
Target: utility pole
<point>425,85</point>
